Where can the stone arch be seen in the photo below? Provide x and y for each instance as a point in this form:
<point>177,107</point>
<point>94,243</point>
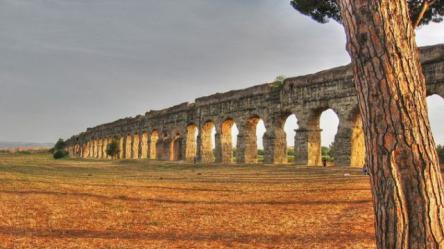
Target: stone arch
<point>308,135</point>
<point>121,147</point>
<point>275,139</point>
<point>191,142</point>
<point>135,146</point>
<point>95,146</point>
<point>163,146</point>
<point>104,146</point>
<point>357,158</point>
<point>99,148</point>
<point>290,126</point>
<point>153,144</point>
<point>224,151</point>
<point>175,147</point>
<point>247,145</point>
<point>144,145</point>
<point>349,143</point>
<point>207,142</point>
<point>128,146</point>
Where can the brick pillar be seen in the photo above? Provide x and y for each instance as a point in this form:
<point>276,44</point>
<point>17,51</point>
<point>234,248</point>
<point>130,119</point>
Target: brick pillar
<point>349,145</point>
<point>275,146</point>
<point>246,145</point>
<point>104,144</point>
<point>307,146</point>
<point>127,151</point>
<point>206,144</point>
<point>135,146</point>
<point>190,143</point>
<point>144,146</point>
<point>224,144</point>
<point>218,148</point>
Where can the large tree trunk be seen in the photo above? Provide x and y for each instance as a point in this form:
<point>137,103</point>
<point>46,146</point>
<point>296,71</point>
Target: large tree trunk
<point>404,168</point>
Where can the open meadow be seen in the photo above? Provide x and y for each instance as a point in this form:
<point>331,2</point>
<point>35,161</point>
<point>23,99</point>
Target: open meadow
<point>148,204</point>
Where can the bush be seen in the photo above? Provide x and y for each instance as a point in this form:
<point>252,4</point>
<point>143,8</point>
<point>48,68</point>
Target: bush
<point>112,149</point>
<point>60,145</point>
<point>326,153</point>
<point>59,149</point>
<point>58,154</point>
<point>24,152</point>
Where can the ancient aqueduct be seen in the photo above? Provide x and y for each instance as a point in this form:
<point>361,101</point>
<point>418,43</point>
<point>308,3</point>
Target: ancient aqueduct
<point>171,134</point>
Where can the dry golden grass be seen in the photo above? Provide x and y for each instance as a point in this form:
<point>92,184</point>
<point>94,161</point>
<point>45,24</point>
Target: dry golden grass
<point>143,204</point>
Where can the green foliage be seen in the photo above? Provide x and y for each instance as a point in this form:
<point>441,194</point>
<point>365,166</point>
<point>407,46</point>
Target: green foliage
<point>59,149</point>
<point>260,152</point>
<point>440,150</point>
<point>279,81</point>
<point>24,152</point>
<point>327,154</point>
<point>290,152</point>
<point>112,149</point>
<point>59,154</point>
<point>323,10</point>
<point>60,145</point>
<point>320,10</point>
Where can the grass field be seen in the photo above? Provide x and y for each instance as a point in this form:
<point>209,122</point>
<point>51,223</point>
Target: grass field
<point>147,204</point>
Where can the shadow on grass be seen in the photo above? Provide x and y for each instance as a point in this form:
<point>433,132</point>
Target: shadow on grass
<point>172,201</point>
<point>169,236</point>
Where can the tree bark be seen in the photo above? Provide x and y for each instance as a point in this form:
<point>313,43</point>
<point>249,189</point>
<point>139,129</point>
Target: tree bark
<point>404,168</point>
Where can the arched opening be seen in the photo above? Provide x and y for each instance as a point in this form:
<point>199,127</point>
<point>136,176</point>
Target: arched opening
<point>163,147</point>
<point>95,148</point>
<point>153,144</point>
<point>175,147</point>
<point>144,145</point>
<point>228,139</point>
<point>329,123</point>
<point>207,140</point>
<point>435,106</point>
<point>290,126</point>
<point>260,131</point>
<point>99,148</point>
<point>191,142</point>
<point>135,150</point>
<point>250,146</point>
<point>106,141</point>
<point>121,147</point>
<point>128,146</point>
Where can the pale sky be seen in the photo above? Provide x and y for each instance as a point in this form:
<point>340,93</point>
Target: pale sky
<point>71,64</point>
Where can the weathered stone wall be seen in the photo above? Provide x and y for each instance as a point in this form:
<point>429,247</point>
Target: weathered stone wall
<point>184,132</point>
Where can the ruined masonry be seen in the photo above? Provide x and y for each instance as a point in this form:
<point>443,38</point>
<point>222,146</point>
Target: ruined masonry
<point>183,132</point>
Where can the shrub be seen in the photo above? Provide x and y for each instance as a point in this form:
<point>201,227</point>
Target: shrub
<point>59,149</point>
<point>58,154</point>
<point>24,152</point>
<point>60,145</point>
<point>326,153</point>
<point>112,149</point>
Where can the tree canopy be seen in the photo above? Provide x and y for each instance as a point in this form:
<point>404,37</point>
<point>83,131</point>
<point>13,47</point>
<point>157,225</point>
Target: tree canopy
<point>421,11</point>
